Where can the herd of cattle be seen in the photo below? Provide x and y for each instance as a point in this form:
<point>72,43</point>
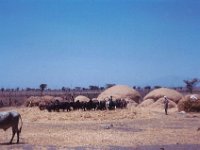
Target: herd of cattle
<point>11,119</point>
<point>83,105</point>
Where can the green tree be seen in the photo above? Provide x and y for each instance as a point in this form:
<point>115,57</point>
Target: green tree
<point>43,87</point>
<point>190,84</point>
<point>2,90</point>
<point>109,85</point>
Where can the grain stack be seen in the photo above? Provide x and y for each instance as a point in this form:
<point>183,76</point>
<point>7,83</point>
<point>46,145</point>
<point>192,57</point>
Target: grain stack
<point>159,104</point>
<point>82,98</point>
<point>155,99</point>
<point>146,103</point>
<point>161,92</point>
<point>120,92</point>
<point>37,100</point>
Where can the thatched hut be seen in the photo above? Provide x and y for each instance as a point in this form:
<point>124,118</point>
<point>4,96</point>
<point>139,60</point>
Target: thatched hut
<point>81,98</point>
<point>120,92</point>
<point>190,103</point>
<point>161,92</point>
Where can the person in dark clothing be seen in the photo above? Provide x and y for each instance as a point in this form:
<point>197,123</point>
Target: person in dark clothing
<point>1,103</point>
<point>166,102</point>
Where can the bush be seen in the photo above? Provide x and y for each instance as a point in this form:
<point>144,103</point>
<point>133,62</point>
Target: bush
<point>189,106</point>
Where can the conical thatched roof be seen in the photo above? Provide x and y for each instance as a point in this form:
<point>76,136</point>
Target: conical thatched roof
<point>120,92</point>
<point>159,93</point>
<point>82,98</point>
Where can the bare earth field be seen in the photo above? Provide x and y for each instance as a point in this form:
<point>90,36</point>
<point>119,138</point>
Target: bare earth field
<point>127,129</point>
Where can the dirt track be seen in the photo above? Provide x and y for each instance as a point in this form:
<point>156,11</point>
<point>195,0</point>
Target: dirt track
<point>131,128</point>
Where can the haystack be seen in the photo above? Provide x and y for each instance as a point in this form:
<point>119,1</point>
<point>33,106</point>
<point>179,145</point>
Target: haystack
<point>82,98</point>
<point>36,100</point>
<point>47,98</point>
<point>190,103</point>
<point>159,93</point>
<point>146,103</point>
<point>120,92</point>
<point>94,99</point>
<point>32,101</point>
<point>60,99</point>
<point>159,104</point>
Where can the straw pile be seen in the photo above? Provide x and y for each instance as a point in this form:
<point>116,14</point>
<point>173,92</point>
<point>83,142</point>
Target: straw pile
<point>155,98</point>
<point>146,103</point>
<point>120,92</point>
<point>159,93</point>
<point>82,98</point>
<point>37,100</point>
<point>60,99</point>
<point>160,104</point>
<point>190,103</point>
<point>32,101</point>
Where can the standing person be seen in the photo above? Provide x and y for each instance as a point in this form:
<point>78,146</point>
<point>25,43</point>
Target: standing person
<point>10,102</point>
<point>1,103</point>
<point>166,102</point>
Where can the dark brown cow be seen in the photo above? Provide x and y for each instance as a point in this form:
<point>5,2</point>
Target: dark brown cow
<point>11,119</point>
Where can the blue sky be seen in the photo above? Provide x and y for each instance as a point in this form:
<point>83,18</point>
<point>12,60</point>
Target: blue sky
<point>93,42</point>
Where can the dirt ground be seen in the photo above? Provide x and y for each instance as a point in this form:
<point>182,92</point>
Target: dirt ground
<point>131,128</point>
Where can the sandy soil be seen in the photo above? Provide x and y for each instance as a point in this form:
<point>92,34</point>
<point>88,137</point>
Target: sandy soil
<point>131,128</point>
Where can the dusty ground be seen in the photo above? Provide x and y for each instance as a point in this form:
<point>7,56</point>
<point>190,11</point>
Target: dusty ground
<point>132,128</point>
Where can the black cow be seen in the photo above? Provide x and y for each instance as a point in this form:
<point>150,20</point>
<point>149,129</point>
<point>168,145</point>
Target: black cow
<point>64,106</point>
<point>92,104</point>
<point>121,103</point>
<point>111,105</point>
<point>102,105</point>
<point>76,105</point>
<point>56,106</point>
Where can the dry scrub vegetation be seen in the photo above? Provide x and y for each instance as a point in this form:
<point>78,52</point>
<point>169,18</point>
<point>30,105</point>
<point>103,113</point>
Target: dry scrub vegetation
<point>121,129</point>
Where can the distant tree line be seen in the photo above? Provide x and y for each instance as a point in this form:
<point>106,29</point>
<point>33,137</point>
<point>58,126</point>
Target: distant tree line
<point>189,86</point>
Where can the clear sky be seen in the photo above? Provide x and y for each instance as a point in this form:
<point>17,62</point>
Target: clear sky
<point>93,42</point>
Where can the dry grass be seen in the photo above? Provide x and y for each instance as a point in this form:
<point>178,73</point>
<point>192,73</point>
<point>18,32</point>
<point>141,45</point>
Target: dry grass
<point>100,129</point>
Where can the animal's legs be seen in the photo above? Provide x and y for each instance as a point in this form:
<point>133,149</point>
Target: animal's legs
<point>18,132</point>
<point>13,134</point>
